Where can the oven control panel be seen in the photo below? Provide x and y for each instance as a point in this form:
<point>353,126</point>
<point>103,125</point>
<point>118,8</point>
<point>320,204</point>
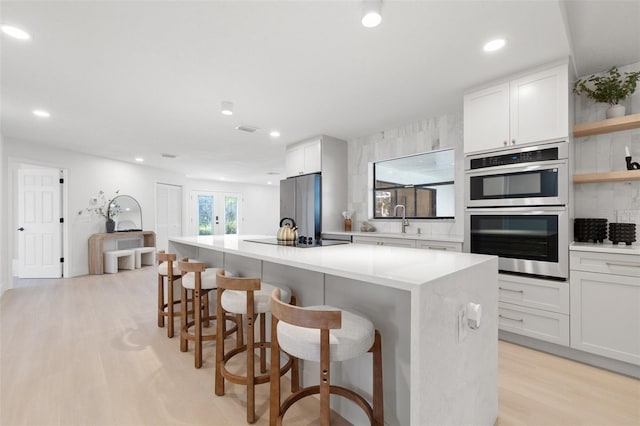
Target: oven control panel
<point>515,158</point>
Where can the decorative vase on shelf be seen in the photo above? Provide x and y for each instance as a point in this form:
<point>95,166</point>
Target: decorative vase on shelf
<point>347,225</point>
<point>616,110</point>
<point>111,226</point>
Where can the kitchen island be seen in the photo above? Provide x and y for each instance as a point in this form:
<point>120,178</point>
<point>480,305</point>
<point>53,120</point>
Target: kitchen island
<point>437,370</point>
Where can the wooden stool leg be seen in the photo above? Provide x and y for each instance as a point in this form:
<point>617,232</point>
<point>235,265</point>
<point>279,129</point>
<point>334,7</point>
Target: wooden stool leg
<point>240,333</point>
<point>160,301</point>
<point>220,312</point>
<point>170,306</point>
<point>251,395</point>
<point>184,343</point>
<point>378,403</point>
<point>325,377</point>
<point>274,379</point>
<point>205,310</point>
<point>295,374</point>
<point>198,327</point>
<point>263,338</point>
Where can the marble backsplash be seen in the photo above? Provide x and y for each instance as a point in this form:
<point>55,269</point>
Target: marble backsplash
<point>444,131</point>
<point>619,201</point>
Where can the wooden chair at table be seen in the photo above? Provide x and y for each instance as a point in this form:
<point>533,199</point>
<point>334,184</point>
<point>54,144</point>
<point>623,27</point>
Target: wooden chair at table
<point>251,297</point>
<point>200,280</point>
<point>322,334</point>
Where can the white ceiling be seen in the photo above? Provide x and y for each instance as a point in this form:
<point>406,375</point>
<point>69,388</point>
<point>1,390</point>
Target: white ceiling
<point>128,79</point>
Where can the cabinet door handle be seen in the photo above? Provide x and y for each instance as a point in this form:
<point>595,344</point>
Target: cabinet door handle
<point>624,265</point>
<point>505,143</point>
<point>513,142</point>
<point>508,289</point>
<point>436,248</point>
<point>512,319</point>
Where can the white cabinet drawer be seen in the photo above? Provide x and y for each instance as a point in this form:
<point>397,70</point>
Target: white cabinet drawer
<point>393,242</point>
<point>550,326</point>
<point>438,245</point>
<point>534,293</point>
<point>605,263</point>
<point>605,315</point>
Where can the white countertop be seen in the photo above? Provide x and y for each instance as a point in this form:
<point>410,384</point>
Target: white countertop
<point>396,267</point>
<point>606,248</point>
<point>443,238</point>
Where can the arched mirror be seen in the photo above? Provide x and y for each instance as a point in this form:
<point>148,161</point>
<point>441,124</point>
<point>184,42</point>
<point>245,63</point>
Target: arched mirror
<point>126,213</point>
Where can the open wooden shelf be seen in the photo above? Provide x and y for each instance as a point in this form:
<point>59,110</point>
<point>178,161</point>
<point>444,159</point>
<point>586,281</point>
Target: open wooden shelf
<point>619,176</point>
<point>605,126</point>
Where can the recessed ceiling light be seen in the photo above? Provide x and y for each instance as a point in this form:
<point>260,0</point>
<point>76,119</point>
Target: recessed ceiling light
<point>274,134</point>
<point>372,16</point>
<point>41,113</point>
<point>226,108</point>
<point>494,45</point>
<point>15,32</point>
<point>269,183</point>
<point>139,159</point>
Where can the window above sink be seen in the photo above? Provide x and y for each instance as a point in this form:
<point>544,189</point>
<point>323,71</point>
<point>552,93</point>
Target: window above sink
<point>422,183</point>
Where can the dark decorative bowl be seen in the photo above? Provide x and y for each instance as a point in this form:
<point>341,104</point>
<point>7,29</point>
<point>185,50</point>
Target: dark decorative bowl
<point>585,230</point>
<point>622,233</point>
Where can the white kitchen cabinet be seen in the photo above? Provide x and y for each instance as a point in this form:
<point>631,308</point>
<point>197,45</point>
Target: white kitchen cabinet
<point>534,307</point>
<point>304,158</point>
<point>525,110</point>
<point>537,323</point>
<point>438,245</point>
<point>605,304</point>
<point>382,241</point>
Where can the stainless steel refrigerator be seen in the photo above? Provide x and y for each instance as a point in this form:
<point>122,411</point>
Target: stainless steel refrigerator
<point>300,199</point>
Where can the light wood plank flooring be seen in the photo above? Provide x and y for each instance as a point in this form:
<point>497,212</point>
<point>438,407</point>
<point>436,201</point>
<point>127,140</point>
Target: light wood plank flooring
<point>87,350</point>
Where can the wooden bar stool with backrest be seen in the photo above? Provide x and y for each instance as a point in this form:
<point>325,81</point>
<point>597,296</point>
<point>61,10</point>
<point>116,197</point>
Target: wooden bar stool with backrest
<point>200,280</point>
<point>322,334</point>
<point>167,268</point>
<point>251,297</point>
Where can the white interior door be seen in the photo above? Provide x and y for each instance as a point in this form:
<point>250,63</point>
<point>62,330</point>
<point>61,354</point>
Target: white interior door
<point>40,230</point>
<point>168,214</point>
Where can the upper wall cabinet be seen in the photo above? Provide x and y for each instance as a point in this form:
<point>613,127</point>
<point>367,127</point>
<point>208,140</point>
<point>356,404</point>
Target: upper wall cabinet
<point>304,158</point>
<point>525,110</point>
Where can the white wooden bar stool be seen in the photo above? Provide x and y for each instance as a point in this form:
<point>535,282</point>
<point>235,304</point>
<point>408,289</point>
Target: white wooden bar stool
<point>252,298</point>
<point>200,280</point>
<point>322,334</point>
<point>118,259</point>
<point>167,268</point>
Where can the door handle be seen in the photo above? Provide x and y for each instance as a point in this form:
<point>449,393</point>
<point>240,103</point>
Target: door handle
<point>21,229</point>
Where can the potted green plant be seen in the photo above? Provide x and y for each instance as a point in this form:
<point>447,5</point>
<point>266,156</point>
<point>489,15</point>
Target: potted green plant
<point>609,88</point>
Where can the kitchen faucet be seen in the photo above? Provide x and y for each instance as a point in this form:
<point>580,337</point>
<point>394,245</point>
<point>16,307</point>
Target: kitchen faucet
<point>405,221</point>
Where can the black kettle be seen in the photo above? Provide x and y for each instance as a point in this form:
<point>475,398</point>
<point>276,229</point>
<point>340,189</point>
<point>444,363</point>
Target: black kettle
<point>287,231</point>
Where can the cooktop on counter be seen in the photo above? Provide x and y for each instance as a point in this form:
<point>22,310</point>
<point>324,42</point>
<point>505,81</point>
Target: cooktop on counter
<point>298,243</point>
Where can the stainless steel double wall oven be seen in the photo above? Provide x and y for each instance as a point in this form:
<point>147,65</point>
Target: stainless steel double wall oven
<point>516,208</point>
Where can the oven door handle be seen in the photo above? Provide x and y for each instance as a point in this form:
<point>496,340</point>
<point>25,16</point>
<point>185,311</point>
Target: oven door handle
<point>509,210</point>
<point>519,167</point>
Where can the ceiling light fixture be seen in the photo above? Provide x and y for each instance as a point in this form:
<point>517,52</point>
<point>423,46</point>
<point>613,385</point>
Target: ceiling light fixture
<point>41,113</point>
<point>15,32</point>
<point>274,134</point>
<point>226,108</point>
<point>372,16</point>
<point>139,159</point>
<point>494,45</point>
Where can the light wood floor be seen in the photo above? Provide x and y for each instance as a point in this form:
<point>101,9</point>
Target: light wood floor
<point>87,350</point>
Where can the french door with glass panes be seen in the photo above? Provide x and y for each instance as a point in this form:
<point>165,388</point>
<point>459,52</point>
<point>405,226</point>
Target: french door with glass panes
<point>214,213</point>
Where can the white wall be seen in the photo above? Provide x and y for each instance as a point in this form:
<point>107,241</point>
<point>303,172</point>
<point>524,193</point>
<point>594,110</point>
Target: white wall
<point>444,131</point>
<point>4,273</point>
<point>87,175</point>
<point>260,205</point>
<point>603,153</point>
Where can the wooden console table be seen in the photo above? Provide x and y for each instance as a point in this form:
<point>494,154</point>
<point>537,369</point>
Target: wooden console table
<point>96,246</point>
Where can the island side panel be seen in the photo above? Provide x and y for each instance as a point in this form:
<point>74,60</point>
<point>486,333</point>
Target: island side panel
<point>390,311</point>
<point>456,379</point>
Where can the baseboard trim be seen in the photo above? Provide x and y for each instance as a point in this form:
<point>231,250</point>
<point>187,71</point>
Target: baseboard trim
<point>614,365</point>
